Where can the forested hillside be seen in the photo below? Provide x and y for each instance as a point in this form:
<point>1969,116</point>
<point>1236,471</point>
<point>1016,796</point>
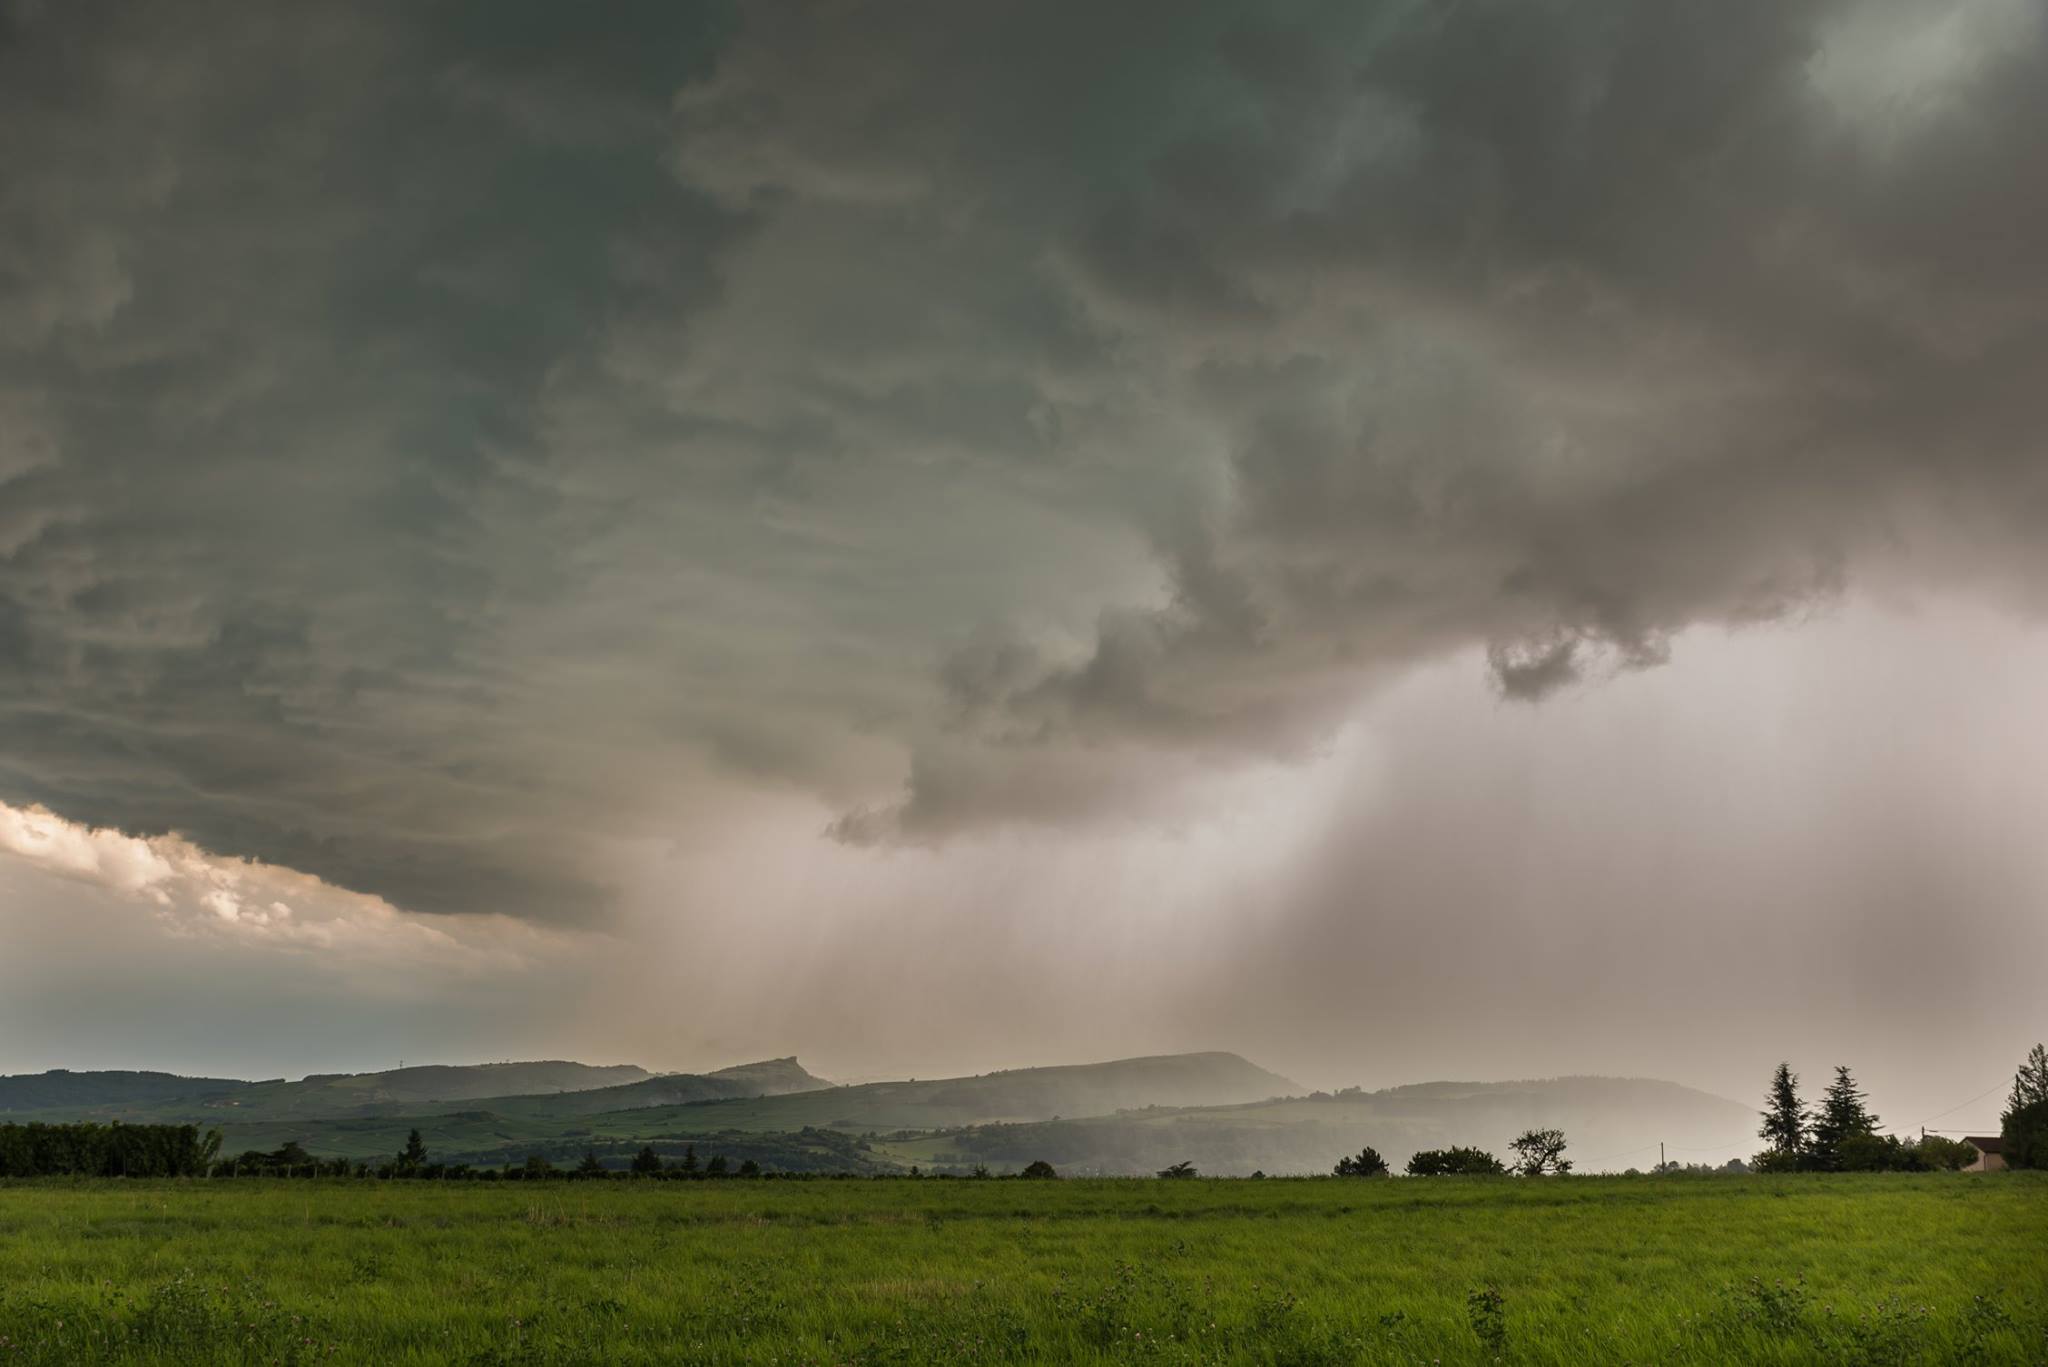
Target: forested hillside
<point>60,1089</point>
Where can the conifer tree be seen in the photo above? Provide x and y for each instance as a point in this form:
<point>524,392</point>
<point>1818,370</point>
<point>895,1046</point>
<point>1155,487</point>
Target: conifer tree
<point>1842,1116</point>
<point>2024,1125</point>
<point>1785,1118</point>
<point>2030,1083</point>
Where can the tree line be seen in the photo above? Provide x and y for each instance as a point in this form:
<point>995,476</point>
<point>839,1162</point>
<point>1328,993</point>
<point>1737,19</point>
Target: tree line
<point>412,1163</point>
<point>88,1150</point>
<point>1538,1153</point>
<point>1841,1133</point>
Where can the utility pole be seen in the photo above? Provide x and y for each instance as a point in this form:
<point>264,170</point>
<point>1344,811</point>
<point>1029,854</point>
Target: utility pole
<point>1660,1155</point>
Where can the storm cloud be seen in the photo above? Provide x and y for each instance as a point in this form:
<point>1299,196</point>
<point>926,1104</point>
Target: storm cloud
<point>453,450</point>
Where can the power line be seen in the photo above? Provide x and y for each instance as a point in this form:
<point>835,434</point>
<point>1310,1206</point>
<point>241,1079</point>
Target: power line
<point>1971,1102</point>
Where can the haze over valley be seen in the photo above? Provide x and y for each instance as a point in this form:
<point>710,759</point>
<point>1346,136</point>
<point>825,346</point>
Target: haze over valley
<point>1124,1118</point>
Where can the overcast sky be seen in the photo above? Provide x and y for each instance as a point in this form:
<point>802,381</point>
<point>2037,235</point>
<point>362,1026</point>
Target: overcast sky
<point>1464,537</point>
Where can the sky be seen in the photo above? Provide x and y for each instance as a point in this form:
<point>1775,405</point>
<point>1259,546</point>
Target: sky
<point>1465,538</point>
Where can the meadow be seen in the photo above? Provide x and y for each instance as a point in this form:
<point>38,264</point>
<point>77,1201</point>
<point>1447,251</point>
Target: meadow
<point>1840,1269</point>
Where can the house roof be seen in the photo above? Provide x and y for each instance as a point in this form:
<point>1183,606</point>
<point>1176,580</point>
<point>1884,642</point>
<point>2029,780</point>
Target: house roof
<point>1985,1143</point>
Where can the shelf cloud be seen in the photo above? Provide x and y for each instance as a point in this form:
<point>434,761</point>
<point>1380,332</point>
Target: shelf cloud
<point>192,892</point>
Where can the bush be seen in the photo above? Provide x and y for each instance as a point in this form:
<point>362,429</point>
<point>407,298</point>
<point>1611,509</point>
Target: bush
<point>1368,1163</point>
<point>1937,1154</point>
<point>1454,1162</point>
<point>1872,1153</point>
<point>1039,1170</point>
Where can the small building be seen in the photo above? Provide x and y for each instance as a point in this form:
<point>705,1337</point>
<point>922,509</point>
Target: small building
<point>1990,1153</point>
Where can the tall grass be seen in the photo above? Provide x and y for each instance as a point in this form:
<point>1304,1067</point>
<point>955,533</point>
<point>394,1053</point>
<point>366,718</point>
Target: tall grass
<point>1888,1269</point>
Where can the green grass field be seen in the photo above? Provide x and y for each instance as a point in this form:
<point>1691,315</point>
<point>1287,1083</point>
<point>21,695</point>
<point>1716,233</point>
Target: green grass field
<point>1881,1269</point>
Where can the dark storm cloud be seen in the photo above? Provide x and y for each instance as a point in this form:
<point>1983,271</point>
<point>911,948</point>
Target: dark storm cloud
<point>1561,328</point>
<point>440,442</point>
<point>282,293</point>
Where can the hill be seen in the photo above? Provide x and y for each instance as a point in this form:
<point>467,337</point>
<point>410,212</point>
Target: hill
<point>746,1081</point>
<point>1018,1094</point>
<point>688,1106</point>
<point>1209,1079</point>
<point>403,1089</point>
<point>773,1077</point>
<point>1611,1123</point>
<point>1129,1116</point>
<point>342,1111</point>
<point>169,1097</point>
<point>63,1090</point>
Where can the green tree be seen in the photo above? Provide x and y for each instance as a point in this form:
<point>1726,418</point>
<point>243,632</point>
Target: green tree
<point>1179,1170</point>
<point>688,1167</point>
<point>1937,1153</point>
<point>750,1168</point>
<point>1785,1118</point>
<point>1454,1162</point>
<point>590,1167</point>
<point>1842,1116</point>
<point>1540,1152</point>
<point>86,1149</point>
<point>647,1162</point>
<point>1038,1169</point>
<point>413,1156</point>
<point>1368,1163</point>
<point>1873,1153</point>
<point>716,1167</point>
<point>2024,1126</point>
<point>2030,1083</point>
